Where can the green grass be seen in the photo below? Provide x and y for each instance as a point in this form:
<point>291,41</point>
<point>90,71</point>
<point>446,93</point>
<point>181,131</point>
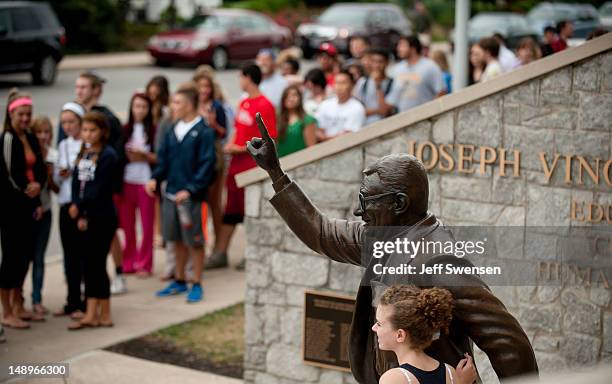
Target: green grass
<point>218,336</point>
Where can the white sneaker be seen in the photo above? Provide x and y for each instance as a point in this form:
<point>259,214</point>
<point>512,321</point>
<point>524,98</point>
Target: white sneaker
<point>118,285</point>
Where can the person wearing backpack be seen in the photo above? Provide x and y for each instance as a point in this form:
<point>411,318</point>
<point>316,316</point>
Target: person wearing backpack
<point>377,92</point>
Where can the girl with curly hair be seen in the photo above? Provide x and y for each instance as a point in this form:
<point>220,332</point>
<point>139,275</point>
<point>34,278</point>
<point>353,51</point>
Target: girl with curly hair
<point>408,319</point>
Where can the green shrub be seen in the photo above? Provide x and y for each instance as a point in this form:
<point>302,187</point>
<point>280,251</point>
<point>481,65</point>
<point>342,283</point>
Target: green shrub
<point>91,25</point>
<point>268,6</point>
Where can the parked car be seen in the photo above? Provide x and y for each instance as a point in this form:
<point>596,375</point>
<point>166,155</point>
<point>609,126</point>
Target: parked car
<point>219,37</point>
<point>382,23</point>
<point>512,26</point>
<point>31,40</point>
<point>584,17</point>
<point>605,15</point>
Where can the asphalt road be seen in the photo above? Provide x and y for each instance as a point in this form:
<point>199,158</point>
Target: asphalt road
<point>121,84</point>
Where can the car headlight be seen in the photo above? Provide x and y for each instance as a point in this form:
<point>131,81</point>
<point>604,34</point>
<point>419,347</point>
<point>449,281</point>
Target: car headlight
<point>154,41</point>
<point>199,44</point>
<point>343,33</point>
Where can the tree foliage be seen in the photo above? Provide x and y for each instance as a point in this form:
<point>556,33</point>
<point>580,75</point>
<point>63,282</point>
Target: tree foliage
<point>91,25</point>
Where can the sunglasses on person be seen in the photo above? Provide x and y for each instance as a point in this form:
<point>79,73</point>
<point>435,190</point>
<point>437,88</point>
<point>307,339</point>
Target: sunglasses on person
<point>364,199</point>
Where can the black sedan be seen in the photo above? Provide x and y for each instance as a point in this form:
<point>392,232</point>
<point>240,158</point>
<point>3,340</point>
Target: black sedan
<point>31,40</point>
<point>381,23</point>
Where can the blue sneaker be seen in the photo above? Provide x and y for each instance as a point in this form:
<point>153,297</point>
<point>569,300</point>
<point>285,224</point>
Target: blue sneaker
<point>173,288</point>
<point>195,294</point>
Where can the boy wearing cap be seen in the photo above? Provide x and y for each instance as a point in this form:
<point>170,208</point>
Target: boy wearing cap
<point>327,58</point>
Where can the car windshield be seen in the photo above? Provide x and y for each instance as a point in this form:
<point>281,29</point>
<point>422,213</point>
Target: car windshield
<point>208,23</point>
<point>488,23</point>
<point>344,16</point>
<point>547,13</point>
<point>606,10</point>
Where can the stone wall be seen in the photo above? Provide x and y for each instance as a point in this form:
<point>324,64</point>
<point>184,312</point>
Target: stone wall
<point>568,111</point>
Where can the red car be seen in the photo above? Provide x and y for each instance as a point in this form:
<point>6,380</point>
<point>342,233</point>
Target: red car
<point>219,37</point>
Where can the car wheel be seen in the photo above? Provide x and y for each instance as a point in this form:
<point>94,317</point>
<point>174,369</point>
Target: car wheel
<point>45,71</point>
<point>162,63</point>
<point>220,58</point>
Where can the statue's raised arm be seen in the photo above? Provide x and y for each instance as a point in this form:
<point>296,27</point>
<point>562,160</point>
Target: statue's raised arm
<point>263,150</point>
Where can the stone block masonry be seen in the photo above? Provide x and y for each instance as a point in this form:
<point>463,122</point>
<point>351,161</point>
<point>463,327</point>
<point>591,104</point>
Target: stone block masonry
<point>565,114</point>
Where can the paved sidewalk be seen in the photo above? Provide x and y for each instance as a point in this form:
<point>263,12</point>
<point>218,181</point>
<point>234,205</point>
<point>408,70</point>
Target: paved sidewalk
<point>102,367</point>
<point>106,60</point>
<point>135,314</point>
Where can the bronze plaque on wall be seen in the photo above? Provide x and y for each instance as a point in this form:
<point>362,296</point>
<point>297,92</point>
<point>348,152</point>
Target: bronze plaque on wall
<point>327,323</point>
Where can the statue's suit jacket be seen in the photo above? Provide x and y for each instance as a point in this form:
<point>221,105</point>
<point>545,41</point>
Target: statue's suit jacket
<point>478,315</point>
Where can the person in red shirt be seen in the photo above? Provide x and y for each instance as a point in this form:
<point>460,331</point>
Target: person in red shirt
<point>565,30</point>
<point>245,128</point>
<point>328,59</point>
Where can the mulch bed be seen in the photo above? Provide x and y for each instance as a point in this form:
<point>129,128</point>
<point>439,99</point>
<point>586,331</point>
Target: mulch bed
<point>159,349</point>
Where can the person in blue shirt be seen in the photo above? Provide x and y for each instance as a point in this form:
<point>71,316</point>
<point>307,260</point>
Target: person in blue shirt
<point>186,160</point>
<point>439,57</point>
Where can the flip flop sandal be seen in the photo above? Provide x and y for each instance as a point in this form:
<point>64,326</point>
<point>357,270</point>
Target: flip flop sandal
<point>27,317</point>
<point>11,326</point>
<point>60,313</point>
<point>77,315</point>
<point>79,326</point>
<point>43,311</point>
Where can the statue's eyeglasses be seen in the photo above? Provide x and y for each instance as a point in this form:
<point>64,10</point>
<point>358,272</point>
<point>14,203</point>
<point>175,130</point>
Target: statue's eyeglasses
<point>363,199</point>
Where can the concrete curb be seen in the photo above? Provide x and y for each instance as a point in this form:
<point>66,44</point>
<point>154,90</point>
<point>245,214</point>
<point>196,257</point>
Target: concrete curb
<point>106,60</point>
<point>99,367</point>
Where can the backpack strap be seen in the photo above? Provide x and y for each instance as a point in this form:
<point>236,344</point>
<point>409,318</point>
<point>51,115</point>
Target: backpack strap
<point>7,152</point>
<point>405,372</point>
<point>364,88</point>
<point>450,374</point>
<point>388,87</point>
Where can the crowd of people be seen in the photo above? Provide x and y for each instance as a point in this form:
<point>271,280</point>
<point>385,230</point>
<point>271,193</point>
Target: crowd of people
<point>174,160</point>
<point>166,163</point>
<point>490,57</point>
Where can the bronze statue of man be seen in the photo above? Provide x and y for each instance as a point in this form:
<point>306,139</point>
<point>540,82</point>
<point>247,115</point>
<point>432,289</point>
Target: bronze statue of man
<point>394,192</point>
